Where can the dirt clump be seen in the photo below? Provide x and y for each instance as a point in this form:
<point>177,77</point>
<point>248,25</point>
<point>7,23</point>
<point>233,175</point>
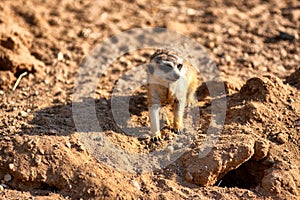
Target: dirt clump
<point>224,157</point>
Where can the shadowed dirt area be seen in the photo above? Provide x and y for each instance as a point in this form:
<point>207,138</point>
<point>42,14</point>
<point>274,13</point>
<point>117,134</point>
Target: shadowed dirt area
<point>255,45</point>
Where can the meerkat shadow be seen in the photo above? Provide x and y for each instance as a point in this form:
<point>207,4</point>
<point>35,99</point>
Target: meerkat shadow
<point>59,119</point>
<point>124,114</point>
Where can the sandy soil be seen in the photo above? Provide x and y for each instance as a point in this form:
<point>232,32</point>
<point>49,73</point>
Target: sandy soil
<point>255,45</point>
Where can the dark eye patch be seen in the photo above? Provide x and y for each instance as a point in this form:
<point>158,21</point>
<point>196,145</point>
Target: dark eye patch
<point>165,67</point>
<point>179,66</point>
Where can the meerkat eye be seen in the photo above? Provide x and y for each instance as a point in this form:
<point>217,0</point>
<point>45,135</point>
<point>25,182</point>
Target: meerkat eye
<point>179,66</point>
<point>165,67</point>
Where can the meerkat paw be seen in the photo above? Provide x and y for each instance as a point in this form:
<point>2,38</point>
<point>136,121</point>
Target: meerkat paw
<point>156,138</point>
<point>178,131</point>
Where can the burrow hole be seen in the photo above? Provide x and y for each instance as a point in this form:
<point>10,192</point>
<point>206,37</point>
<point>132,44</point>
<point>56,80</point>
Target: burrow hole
<point>247,176</point>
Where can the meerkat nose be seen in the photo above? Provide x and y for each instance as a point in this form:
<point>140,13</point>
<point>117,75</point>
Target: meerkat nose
<point>176,76</point>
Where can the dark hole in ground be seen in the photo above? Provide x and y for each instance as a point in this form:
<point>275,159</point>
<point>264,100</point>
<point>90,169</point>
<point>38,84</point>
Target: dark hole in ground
<point>247,176</point>
<point>44,190</point>
<point>46,187</point>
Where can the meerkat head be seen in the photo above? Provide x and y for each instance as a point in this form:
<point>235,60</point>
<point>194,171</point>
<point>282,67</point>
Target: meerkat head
<point>166,66</point>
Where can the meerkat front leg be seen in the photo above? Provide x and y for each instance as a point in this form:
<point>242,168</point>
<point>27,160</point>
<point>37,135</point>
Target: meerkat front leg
<point>178,116</point>
<point>154,122</point>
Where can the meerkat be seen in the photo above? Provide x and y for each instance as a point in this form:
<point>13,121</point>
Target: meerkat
<point>171,81</point>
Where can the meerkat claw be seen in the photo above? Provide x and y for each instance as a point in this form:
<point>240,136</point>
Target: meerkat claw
<point>156,138</point>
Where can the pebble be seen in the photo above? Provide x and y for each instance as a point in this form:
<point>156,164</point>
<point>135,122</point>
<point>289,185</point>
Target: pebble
<point>179,145</point>
<point>282,138</point>
<point>11,166</point>
<point>60,56</point>
<point>42,151</point>
<point>232,31</point>
<point>191,12</point>
<point>231,155</point>
<point>211,45</point>
<point>7,177</point>
<point>23,113</point>
<point>170,149</point>
<point>283,53</point>
<point>68,144</point>
<point>80,147</point>
<point>136,185</point>
<point>85,32</point>
<point>261,148</point>
<point>53,132</point>
<point>1,188</point>
<point>227,58</point>
<point>38,160</point>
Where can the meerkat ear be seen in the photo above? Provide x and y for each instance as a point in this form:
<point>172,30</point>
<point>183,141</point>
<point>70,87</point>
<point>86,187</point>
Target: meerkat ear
<point>151,68</point>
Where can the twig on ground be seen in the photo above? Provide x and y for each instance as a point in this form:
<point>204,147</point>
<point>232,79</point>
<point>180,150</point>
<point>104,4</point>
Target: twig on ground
<point>18,80</point>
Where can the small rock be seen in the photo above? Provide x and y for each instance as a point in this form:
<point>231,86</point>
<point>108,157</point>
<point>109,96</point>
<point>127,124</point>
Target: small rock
<point>211,45</point>
<point>53,132</point>
<point>227,58</point>
<point>1,188</point>
<point>191,12</point>
<point>11,166</point>
<point>290,100</point>
<point>42,151</point>
<point>232,31</point>
<point>68,144</point>
<point>136,185</point>
<point>179,145</point>
<point>80,147</point>
<point>170,149</point>
<point>7,177</point>
<point>38,160</point>
<point>283,53</point>
<point>261,148</point>
<point>23,114</point>
<point>282,138</point>
<point>85,33</point>
<point>60,56</point>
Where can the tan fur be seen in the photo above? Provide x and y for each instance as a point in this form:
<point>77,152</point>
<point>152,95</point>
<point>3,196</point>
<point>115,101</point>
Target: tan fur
<point>177,93</point>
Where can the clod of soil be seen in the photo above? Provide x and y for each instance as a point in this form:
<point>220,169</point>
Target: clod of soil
<point>228,154</point>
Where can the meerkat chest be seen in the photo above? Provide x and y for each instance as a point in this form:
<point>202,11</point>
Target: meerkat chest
<point>175,91</point>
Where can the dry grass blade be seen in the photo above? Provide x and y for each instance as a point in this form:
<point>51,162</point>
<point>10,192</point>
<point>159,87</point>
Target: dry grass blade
<point>18,80</point>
